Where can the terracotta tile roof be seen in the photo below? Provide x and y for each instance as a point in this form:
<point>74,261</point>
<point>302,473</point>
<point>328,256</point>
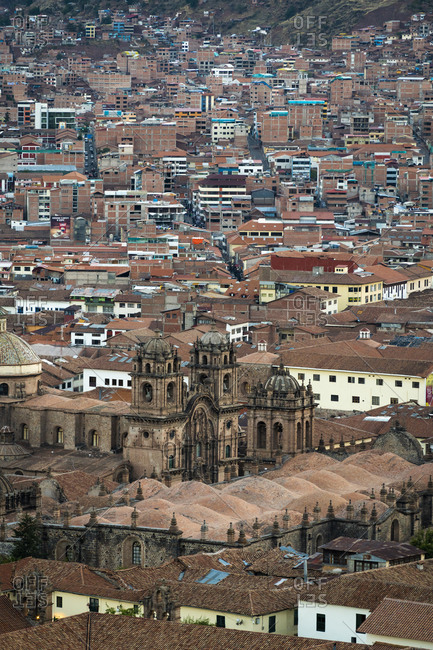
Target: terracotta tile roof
<point>126,633</point>
<point>367,589</point>
<point>401,619</point>
<point>406,367</point>
<point>11,618</point>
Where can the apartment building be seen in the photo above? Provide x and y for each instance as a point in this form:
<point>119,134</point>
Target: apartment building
<point>360,383</point>
<point>349,288</point>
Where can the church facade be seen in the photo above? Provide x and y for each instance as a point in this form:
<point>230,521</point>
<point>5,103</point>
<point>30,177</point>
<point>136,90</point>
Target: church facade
<point>184,432</point>
<point>178,427</point>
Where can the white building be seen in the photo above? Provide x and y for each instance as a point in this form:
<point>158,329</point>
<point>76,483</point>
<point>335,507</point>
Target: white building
<point>88,334</point>
<point>224,71</point>
<point>250,167</point>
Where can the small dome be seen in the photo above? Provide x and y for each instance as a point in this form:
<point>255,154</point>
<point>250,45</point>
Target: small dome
<point>157,346</point>
<point>281,381</point>
<point>214,338</point>
<point>9,449</point>
<point>15,352</point>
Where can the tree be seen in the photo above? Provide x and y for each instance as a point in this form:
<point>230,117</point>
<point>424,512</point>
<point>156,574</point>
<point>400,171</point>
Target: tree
<point>424,540</point>
<point>197,621</point>
<point>123,611</point>
<point>27,538</point>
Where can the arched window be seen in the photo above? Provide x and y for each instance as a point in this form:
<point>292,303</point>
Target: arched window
<point>225,359</point>
<point>228,451</point>
<point>308,440</point>
<point>198,450</point>
<point>319,542</point>
<point>170,392</point>
<point>395,531</point>
<point>203,379</point>
<point>226,383</point>
<point>261,435</point>
<point>59,436</point>
<point>277,431</point>
<point>147,392</point>
<point>136,553</point>
<point>246,388</point>
<point>204,360</point>
<point>299,436</point>
<point>25,432</point>
<point>94,439</point>
<point>4,389</point>
<point>169,368</point>
<point>69,553</point>
<point>147,369</point>
<point>171,462</point>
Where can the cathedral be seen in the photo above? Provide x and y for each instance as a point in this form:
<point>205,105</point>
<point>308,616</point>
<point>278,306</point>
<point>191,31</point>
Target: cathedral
<point>179,431</point>
<point>178,427</point>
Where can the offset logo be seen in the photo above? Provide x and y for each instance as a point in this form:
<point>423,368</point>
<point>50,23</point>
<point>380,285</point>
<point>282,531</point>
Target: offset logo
<point>308,31</point>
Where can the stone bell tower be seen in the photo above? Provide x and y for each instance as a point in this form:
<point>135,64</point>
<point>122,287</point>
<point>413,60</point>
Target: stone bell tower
<point>280,417</point>
<point>157,383</point>
<point>213,364</point>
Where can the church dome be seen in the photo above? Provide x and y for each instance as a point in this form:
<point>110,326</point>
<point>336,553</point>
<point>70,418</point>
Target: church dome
<point>281,381</point>
<point>9,449</point>
<point>156,346</point>
<point>214,338</point>
<point>14,351</point>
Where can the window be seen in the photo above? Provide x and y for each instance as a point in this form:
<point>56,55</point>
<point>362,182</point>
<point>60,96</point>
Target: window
<point>334,289</point>
<point>93,604</point>
<point>220,621</point>
<point>272,623</point>
<point>360,618</point>
<point>316,377</point>
<point>375,400</point>
<point>295,616</point>
<point>415,384</point>
<point>355,399</point>
<point>301,376</point>
<point>107,381</point>
<point>398,383</point>
<point>92,381</point>
<point>334,398</point>
<point>114,382</point>
<point>393,400</point>
<point>136,553</point>
<point>59,436</point>
<point>320,623</point>
<point>59,601</point>
<point>25,432</point>
<point>332,378</point>
<point>316,396</point>
<point>351,380</point>
<point>379,382</point>
<point>120,382</point>
<point>94,439</point>
<point>361,380</point>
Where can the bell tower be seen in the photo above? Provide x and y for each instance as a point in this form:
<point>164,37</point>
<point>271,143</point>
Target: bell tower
<point>213,365</point>
<point>157,383</point>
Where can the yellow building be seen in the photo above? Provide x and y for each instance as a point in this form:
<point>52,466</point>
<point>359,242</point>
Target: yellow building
<point>63,603</point>
<point>350,289</point>
<point>360,383</point>
<point>280,622</point>
<point>90,31</point>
